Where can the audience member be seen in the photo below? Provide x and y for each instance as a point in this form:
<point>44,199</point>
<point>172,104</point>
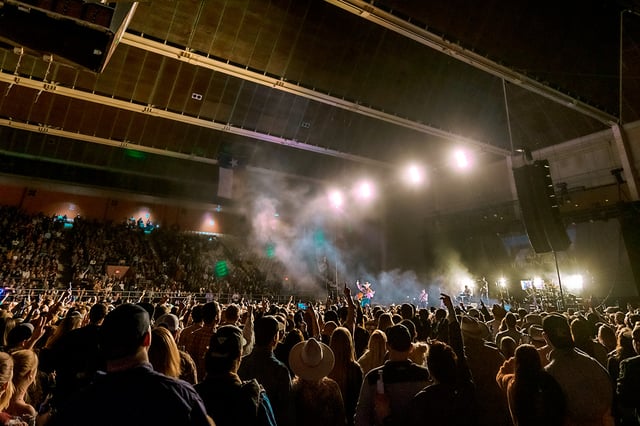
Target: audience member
<point>25,370</point>
<point>187,369</point>
<point>583,380</point>
<point>184,339</point>
<point>534,397</point>
<point>262,365</point>
<point>77,357</point>
<point>376,351</point>
<point>130,391</point>
<point>315,399</point>
<point>623,350</point>
<point>484,361</point>
<point>200,338</point>
<point>346,371</point>
<point>228,400</point>
<point>400,379</point>
<point>583,340</point>
<point>450,399</point>
<point>163,353</point>
<point>6,388</point>
<point>607,337</point>
<point>282,351</point>
<point>510,322</point>
<point>628,385</point>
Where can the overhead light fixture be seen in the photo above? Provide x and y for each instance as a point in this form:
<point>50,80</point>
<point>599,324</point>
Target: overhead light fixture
<point>462,159</point>
<point>414,174</point>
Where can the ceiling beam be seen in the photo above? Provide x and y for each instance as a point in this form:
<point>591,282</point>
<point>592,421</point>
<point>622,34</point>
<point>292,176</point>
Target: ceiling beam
<point>46,130</point>
<point>188,56</point>
<point>367,11</point>
<point>39,85</point>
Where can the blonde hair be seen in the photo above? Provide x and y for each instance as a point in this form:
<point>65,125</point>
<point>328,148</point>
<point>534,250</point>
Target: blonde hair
<point>25,364</point>
<point>342,346</point>
<point>375,353</point>
<point>68,323</point>
<point>385,321</point>
<point>419,353</point>
<point>6,374</point>
<point>163,353</point>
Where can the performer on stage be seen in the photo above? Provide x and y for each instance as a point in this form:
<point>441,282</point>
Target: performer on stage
<point>465,296</point>
<point>484,289</point>
<point>424,298</point>
<point>366,292</point>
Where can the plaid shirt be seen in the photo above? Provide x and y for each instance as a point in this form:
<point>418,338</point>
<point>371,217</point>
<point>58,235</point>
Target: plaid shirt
<point>198,345</point>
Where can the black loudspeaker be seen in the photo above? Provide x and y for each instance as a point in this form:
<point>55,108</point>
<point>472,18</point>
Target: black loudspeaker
<point>82,32</point>
<point>630,229</point>
<point>540,209</point>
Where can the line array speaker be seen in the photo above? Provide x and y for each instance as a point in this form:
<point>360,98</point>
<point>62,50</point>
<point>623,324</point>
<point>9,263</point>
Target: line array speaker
<point>540,209</point>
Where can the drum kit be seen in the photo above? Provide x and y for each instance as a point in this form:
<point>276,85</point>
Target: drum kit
<point>545,297</point>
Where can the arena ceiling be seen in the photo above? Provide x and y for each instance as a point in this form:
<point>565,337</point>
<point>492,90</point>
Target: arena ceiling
<point>320,88</point>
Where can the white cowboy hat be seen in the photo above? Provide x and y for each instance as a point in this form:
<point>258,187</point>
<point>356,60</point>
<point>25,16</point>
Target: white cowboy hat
<point>311,360</point>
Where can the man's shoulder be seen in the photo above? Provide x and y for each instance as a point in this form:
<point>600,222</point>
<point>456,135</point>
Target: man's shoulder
<point>632,363</point>
<point>397,372</point>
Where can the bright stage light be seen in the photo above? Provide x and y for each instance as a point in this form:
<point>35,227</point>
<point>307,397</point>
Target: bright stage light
<point>364,190</point>
<point>502,282</point>
<point>336,198</point>
<point>462,159</point>
<point>574,282</point>
<point>414,175</point>
<point>538,283</point>
<point>468,282</point>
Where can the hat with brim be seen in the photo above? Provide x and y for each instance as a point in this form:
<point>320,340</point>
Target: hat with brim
<point>311,360</point>
<point>535,332</point>
<point>471,328</point>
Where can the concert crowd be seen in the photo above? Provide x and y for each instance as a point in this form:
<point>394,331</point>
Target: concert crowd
<point>153,342</point>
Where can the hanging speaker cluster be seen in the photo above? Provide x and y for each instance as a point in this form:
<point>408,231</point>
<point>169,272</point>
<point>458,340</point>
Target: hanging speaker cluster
<point>83,32</point>
<point>540,207</point>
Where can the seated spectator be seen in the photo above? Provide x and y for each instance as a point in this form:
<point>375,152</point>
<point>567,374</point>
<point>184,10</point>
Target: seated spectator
<point>130,392</point>
<point>315,399</point>
<point>534,397</point>
<point>228,400</point>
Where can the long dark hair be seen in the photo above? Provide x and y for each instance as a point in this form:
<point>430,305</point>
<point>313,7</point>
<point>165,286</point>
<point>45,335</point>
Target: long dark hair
<point>537,397</point>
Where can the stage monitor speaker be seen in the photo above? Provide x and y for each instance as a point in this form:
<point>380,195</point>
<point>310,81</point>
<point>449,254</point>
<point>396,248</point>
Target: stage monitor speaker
<point>540,210</point>
<point>84,33</point>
